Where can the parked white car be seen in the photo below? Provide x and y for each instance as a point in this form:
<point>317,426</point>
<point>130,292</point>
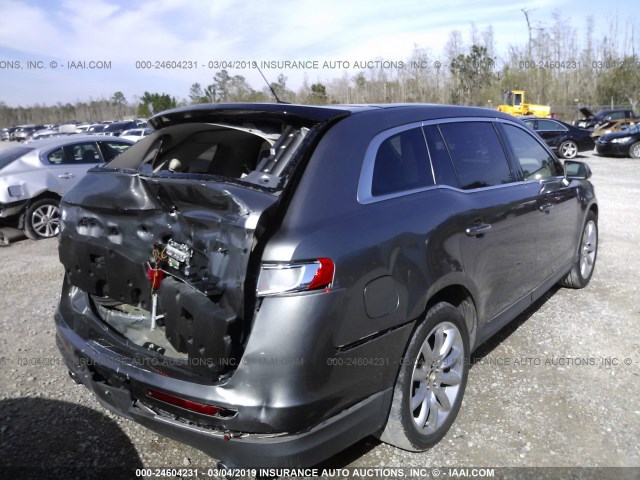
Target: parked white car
<point>135,134</point>
<point>33,178</point>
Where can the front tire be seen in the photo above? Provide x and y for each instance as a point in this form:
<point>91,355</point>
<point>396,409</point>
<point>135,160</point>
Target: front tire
<point>581,273</point>
<point>42,219</point>
<point>431,381</point>
<point>634,150</point>
<point>568,149</point>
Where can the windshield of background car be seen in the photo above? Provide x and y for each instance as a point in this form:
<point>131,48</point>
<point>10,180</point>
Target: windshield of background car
<point>257,154</point>
<point>8,156</point>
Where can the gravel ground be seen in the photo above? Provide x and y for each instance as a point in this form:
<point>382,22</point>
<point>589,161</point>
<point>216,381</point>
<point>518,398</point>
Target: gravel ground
<point>540,393</point>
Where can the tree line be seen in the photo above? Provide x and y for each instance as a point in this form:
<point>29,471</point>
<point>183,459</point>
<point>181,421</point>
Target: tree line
<point>556,66</point>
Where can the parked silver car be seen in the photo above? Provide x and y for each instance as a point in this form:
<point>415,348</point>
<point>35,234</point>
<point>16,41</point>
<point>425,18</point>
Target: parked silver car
<point>34,177</point>
<point>5,133</point>
<point>24,133</point>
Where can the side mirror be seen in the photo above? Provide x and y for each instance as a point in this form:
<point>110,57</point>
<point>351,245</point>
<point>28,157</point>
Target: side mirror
<point>576,170</point>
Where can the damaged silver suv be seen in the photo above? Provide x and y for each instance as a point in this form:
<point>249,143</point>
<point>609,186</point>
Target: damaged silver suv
<point>272,283</point>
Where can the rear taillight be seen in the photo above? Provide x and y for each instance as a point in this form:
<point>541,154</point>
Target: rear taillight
<point>280,278</point>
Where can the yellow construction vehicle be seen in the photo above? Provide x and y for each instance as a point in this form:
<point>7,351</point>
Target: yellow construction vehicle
<point>513,103</point>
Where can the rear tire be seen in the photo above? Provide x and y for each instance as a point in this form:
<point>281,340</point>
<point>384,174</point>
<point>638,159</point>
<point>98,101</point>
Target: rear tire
<point>568,149</point>
<point>431,381</point>
<point>42,219</point>
<point>634,150</point>
<point>581,273</point>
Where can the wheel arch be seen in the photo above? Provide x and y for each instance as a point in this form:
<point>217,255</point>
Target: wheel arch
<point>460,296</point>
<point>46,194</point>
<point>455,290</point>
<point>399,428</point>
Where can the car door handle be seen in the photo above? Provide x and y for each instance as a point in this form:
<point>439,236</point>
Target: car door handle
<point>66,175</point>
<point>545,207</point>
<point>477,230</point>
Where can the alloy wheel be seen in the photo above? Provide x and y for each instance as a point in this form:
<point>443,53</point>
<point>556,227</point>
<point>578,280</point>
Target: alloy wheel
<point>568,150</point>
<point>45,220</point>
<point>436,377</point>
<point>588,249</point>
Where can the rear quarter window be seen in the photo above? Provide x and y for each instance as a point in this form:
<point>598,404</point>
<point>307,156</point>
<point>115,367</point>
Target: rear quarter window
<point>401,164</point>
<point>477,154</point>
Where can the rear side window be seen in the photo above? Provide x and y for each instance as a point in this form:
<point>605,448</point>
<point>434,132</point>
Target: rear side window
<point>84,153</point>
<point>401,164</point>
<point>550,126</point>
<point>536,162</point>
<point>477,154</point>
<point>75,154</point>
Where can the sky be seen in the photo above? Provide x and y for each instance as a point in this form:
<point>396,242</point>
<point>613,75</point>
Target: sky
<point>46,47</point>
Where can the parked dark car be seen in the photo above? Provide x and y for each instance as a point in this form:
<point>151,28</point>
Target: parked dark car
<point>625,143</point>
<point>563,138</point>
<point>272,283</point>
<point>116,128</point>
<point>591,121</point>
<point>34,175</point>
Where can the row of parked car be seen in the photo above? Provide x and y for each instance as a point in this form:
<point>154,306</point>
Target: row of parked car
<point>35,175</point>
<point>49,161</point>
<point>605,120</point>
<point>617,132</point>
<point>132,129</point>
<point>611,132</point>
